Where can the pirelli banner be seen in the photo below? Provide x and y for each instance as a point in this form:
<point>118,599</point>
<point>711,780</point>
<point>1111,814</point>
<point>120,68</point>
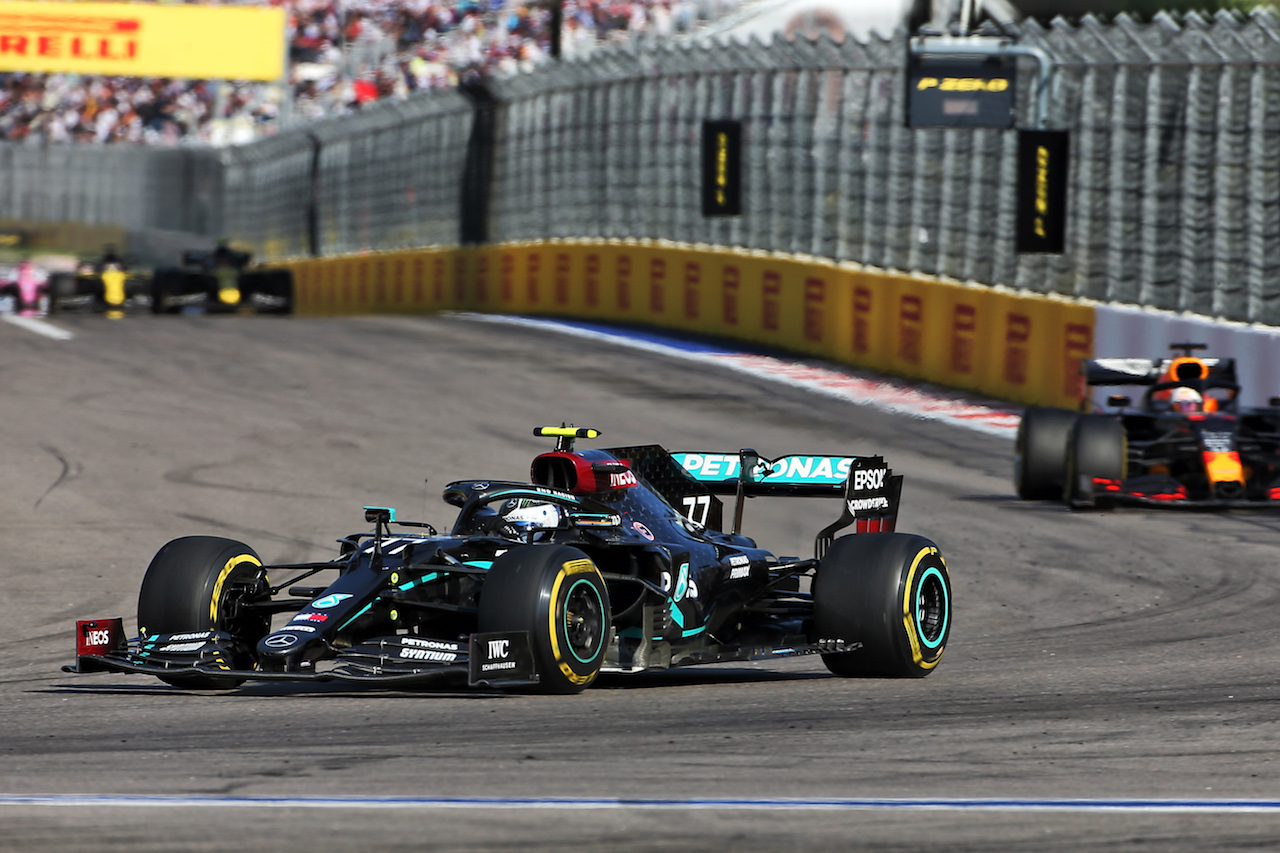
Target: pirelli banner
<point>144,40</point>
<point>1021,347</point>
<point>418,281</point>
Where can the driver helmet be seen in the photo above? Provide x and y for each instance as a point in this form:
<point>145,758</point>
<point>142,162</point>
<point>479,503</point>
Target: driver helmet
<point>1186,400</point>
<point>526,515</point>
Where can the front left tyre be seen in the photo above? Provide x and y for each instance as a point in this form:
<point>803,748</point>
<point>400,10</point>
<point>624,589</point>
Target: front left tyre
<point>558,596</point>
<point>202,583</point>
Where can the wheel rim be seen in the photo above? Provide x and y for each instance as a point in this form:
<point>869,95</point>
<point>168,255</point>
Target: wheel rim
<point>583,620</point>
<point>245,625</point>
<point>932,608</point>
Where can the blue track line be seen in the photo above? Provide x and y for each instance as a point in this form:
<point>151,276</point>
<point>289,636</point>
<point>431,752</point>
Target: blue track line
<point>1185,806</point>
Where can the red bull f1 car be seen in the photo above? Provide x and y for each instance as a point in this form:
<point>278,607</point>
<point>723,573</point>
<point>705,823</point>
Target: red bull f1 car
<point>614,561</point>
<point>1185,443</point>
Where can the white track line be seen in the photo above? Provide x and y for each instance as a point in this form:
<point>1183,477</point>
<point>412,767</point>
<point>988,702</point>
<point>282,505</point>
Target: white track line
<point>863,389</point>
<point>40,327</point>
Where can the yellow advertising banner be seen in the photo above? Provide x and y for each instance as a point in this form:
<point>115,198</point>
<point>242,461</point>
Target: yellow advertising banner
<point>1035,350</point>
<point>1017,346</point>
<point>143,40</point>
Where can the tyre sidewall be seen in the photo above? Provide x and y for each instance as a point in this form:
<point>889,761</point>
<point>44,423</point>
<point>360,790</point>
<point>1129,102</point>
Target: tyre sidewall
<point>1098,448</point>
<point>187,588</point>
<point>186,584</point>
<point>1040,454</point>
<point>528,589</point>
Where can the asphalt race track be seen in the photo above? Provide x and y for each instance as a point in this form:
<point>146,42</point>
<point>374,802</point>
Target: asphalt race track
<point>1110,681</point>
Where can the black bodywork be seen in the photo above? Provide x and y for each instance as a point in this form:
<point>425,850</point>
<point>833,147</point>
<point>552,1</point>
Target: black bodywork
<point>221,281</point>
<point>403,605</point>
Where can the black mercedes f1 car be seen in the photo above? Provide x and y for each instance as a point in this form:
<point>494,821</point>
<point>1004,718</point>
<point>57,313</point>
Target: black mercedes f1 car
<point>1185,443</point>
<point>608,561</point>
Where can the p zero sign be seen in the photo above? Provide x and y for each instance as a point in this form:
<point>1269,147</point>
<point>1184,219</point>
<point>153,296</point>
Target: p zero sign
<point>1042,191</point>
<point>722,168</point>
<point>143,40</point>
<point>960,93</point>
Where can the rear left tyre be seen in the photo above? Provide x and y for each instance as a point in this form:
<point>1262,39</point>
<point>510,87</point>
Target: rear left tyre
<point>883,601</point>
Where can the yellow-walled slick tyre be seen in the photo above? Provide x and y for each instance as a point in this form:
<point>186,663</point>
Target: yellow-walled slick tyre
<point>198,583</point>
<point>884,599</point>
<point>558,595</point>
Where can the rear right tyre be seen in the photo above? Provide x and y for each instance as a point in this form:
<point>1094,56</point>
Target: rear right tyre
<point>1097,450</point>
<point>1040,452</point>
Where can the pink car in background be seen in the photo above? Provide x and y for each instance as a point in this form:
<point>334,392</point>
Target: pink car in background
<point>25,290</point>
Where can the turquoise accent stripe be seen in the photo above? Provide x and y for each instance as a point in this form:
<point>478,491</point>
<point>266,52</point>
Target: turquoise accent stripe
<point>599,603</point>
<point>421,580</point>
<point>533,493</point>
<point>946,609</point>
<point>692,631</point>
<point>362,611</point>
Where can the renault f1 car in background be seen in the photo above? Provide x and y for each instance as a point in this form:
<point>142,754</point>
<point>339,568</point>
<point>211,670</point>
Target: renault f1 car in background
<point>608,561</point>
<point>108,286</point>
<point>221,281</point>
<point>1185,443</point>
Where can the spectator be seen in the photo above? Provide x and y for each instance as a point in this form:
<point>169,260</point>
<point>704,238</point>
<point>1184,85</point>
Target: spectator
<point>343,54</point>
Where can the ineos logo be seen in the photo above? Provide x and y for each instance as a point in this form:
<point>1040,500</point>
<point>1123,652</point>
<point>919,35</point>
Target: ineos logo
<point>499,649</point>
<point>97,638</point>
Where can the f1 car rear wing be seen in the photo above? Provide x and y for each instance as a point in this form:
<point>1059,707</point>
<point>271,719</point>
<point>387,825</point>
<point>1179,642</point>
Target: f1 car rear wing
<point>692,480</point>
<point>1149,371</point>
<point>870,490</point>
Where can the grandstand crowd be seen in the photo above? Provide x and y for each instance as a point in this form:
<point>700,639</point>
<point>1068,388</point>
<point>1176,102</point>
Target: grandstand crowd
<point>342,54</point>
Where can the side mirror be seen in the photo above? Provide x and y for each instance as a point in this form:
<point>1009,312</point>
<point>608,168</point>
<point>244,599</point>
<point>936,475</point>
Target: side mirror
<point>1118,400</point>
